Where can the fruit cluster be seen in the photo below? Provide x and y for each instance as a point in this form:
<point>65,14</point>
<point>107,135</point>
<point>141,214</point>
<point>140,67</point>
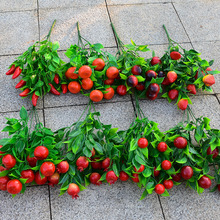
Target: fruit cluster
<point>90,152</point>
<point>99,74</point>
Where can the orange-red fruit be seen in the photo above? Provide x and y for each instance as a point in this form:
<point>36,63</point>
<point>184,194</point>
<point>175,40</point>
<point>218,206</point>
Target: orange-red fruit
<point>99,63</point>
<point>47,168</point>
<point>93,152</point>
<point>3,182</point>
<point>8,161</point>
<point>96,96</point>
<point>73,190</point>
<point>14,186</point>
<point>106,163</point>
<point>112,72</point>
<point>162,147</point>
<point>28,174</point>
<point>135,178</point>
<point>63,167</point>
<point>180,142</point>
<point>166,81</point>
<point>191,88</point>
<point>111,177</point>
<point>109,81</point>
<point>1,151</point>
<point>175,55</point>
<point>159,189</point>
<point>54,179</point>
<point>74,87</point>
<point>182,104</point>
<point>87,84</point>
<point>205,182</point>
<point>110,93</point>
<point>82,163</point>
<point>141,169</point>
<point>41,152</point>
<point>70,73</point>
<point>39,180</point>
<point>172,76</point>
<point>142,142</point>
<point>173,94</point>
<point>94,179</point>
<point>208,80</point>
<point>155,60</point>
<point>140,86</point>
<point>123,176</point>
<point>85,71</point>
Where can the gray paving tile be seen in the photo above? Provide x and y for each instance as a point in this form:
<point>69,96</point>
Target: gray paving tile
<point>69,3</point>
<point>18,5</point>
<point>118,114</point>
<point>184,203</point>
<point>33,204</point>
<point>147,28</point>
<point>3,120</point>
<point>218,96</point>
<point>123,2</point>
<point>167,115</point>
<point>10,99</point>
<point>119,201</point>
<point>200,20</point>
<point>209,51</point>
<point>94,25</point>
<point>18,31</point>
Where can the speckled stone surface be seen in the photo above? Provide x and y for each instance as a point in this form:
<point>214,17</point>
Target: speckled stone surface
<point>18,5</point>
<point>119,201</point>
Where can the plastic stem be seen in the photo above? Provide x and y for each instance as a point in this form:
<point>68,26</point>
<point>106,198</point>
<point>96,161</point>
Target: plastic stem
<point>51,28</point>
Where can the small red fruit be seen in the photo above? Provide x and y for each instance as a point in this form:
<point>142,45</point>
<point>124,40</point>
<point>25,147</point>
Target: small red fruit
<point>218,187</point>
<point>82,163</point>
<point>160,74</point>
<point>136,70</point>
<point>85,72</point>
<point>135,178</point>
<point>123,176</point>
<point>166,81</point>
<point>63,167</point>
<point>205,182</point>
<point>73,190</point>
<point>99,64</point>
<point>32,161</point>
<point>1,151</point>
<point>8,161</point>
<point>174,55</point>
<point>180,142</point>
<point>172,76</point>
<point>151,96</point>
<point>166,165</point>
<point>173,94</point>
<point>112,72</point>
<point>111,177</point>
<point>156,172</point>
<point>159,189</point>
<point>41,152</point>
<point>3,182</point>
<point>109,81</point>
<point>87,84</point>
<point>162,147</point>
<point>96,165</point>
<point>150,74</point>
<point>110,93</point>
<point>191,88</point>
<point>155,60</point>
<point>187,172</point>
<point>214,153</point>
<point>208,80</point>
<point>154,88</point>
<point>94,179</point>
<point>182,104</point>
<point>47,168</point>
<point>54,179</point>
<point>14,186</point>
<point>121,90</point>
<point>176,177</point>
<point>141,169</point>
<point>93,152</point>
<point>106,164</point>
<point>70,73</point>
<point>28,174</point>
<point>140,86</point>
<point>96,95</point>
<point>132,81</point>
<point>168,184</point>
<point>39,180</point>
<point>142,143</point>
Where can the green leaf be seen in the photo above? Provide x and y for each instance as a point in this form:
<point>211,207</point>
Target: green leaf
<point>133,145</point>
<point>55,46</point>
<point>147,172</point>
<point>20,145</point>
<point>23,113</point>
<point>144,194</point>
<point>182,160</point>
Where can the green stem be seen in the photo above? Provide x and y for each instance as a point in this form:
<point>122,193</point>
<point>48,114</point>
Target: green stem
<point>52,26</point>
<point>80,42</point>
